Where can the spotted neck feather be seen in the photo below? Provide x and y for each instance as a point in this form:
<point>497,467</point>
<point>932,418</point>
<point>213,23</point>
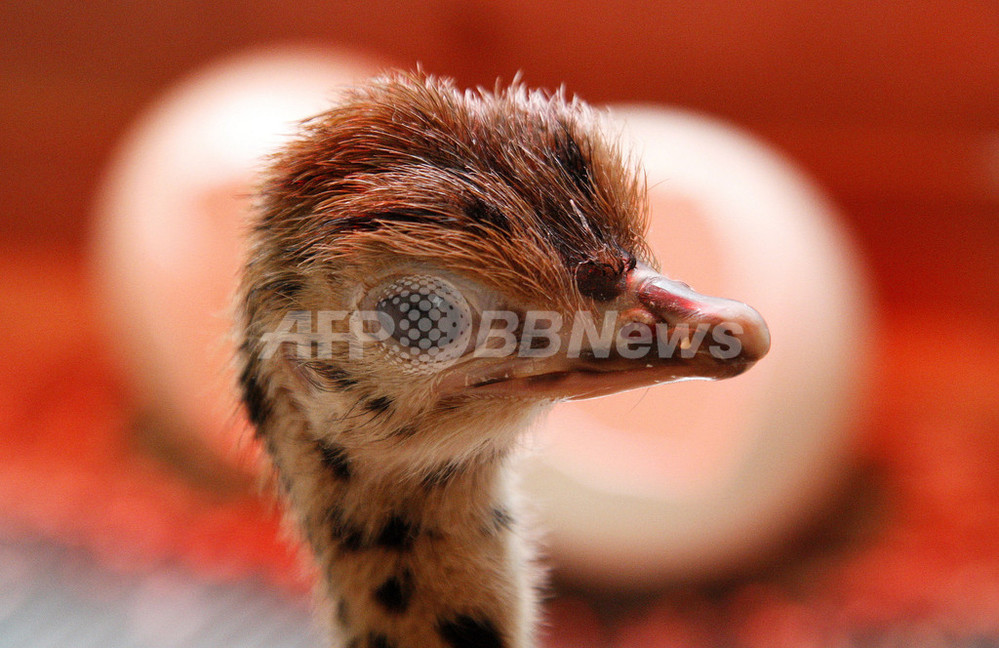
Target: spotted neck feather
<point>413,550</point>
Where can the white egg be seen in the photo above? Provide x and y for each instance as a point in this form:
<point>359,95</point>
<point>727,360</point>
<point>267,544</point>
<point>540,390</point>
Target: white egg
<point>167,245</point>
<point>696,479</point>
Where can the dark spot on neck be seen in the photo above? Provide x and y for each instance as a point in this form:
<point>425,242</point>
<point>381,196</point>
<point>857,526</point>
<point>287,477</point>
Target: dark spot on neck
<point>379,641</point>
<point>378,405</point>
<point>395,594</point>
<point>334,458</point>
<point>352,540</point>
<point>398,534</point>
<point>468,632</point>
<point>348,537</point>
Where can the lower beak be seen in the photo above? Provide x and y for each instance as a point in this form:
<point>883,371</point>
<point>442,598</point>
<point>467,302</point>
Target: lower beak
<point>663,332</point>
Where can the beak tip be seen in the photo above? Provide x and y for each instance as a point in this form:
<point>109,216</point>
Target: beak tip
<point>755,338</point>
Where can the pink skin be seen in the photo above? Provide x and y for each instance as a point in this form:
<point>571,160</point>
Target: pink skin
<point>674,302</point>
<point>648,299</point>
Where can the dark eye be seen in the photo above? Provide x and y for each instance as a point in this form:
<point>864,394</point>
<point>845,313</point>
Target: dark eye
<point>430,320</point>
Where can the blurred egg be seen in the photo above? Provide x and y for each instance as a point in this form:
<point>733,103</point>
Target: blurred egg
<point>167,245</point>
<point>692,480</point>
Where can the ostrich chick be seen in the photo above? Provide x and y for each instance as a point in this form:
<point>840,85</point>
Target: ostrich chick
<point>451,219</point>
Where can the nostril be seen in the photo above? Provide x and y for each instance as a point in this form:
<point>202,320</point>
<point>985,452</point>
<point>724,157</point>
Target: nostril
<point>604,276</point>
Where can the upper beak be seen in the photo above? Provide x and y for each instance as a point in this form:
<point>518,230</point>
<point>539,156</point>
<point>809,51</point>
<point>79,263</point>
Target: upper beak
<point>663,332</point>
<point>674,304</point>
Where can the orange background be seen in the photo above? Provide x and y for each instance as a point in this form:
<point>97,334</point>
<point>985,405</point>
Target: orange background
<point>893,106</point>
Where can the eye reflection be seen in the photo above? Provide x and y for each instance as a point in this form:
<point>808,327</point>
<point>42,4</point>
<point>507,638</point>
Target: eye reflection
<point>431,322</point>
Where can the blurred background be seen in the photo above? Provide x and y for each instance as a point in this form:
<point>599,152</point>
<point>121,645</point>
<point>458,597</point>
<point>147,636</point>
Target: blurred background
<point>108,533</point>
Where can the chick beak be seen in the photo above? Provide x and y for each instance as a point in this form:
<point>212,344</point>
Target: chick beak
<point>663,331</point>
<point>674,305</point>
